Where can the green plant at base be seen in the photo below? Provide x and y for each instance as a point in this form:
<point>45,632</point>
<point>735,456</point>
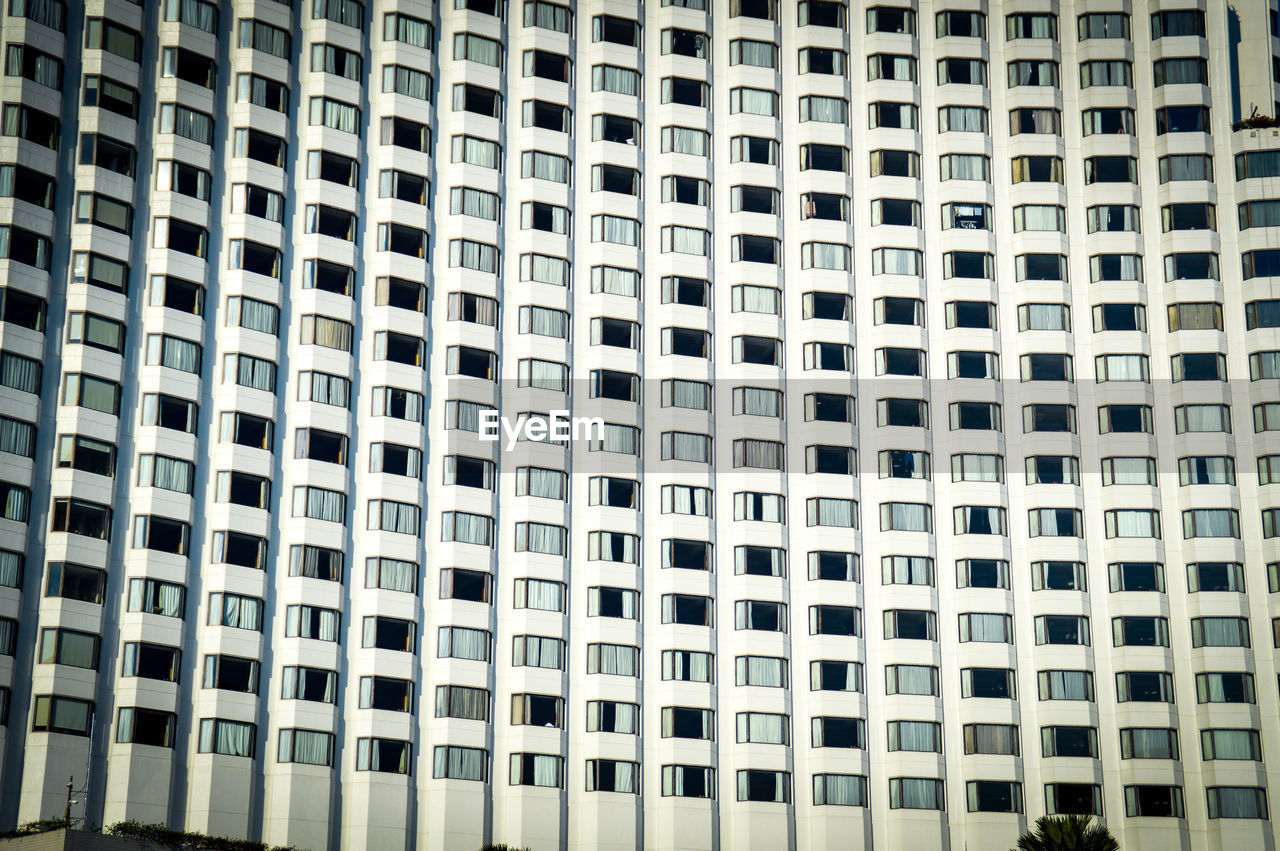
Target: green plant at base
<point>1067,833</point>
<point>161,835</point>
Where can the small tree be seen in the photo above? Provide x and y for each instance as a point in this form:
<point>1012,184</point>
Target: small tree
<point>1067,833</point>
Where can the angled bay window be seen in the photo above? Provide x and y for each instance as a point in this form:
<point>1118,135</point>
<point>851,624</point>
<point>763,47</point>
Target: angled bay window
<point>156,597</point>
<point>161,534</point>
<point>235,610</point>
<point>458,763</point>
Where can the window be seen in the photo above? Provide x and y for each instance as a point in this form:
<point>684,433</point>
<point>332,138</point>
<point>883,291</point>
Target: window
<point>1030,26</point>
<point>760,54</point>
<point>1242,744</point>
<point>1065,685</point>
<point>79,517</point>
<point>1182,22</point>
<point>260,146</point>
<point>547,65</point>
<point>962,71</point>
<point>56,714</point>
<point>1220,632</point>
<point>334,114</point>
<point>66,580</point>
<point>991,683</point>
<point>263,37</point>
<point>916,793</point>
<point>229,738</point>
<point>61,647</point>
<point>987,627</point>
<point>1224,688</point>
<point>1246,802</point>
<point>688,781</point>
<point>393,756</point>
<point>982,573</point>
<point>240,549</point>
<point>1215,576</point>
<point>835,676</point>
<point>234,673</point>
<point>1032,72</point>
<point>1144,686</point>
<point>911,679</point>
<point>146,727</point>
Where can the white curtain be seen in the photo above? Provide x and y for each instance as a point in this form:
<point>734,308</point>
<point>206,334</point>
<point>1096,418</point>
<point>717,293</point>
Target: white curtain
<point>467,528</point>
<point>252,313</point>
<point>1210,523</point>
<point>830,110</point>
<point>686,499</point>
<point>1131,471</point>
<point>895,261</point>
<point>615,229</point>
<point>840,790</point>
<point>540,538</point>
<point>409,30</point>
<point>347,12</point>
<point>907,570</point>
<point>548,16</point>
<point>921,736</point>
<point>991,739</point>
<point>538,652</point>
<point>911,679</point>
<point>462,702</point>
<point>541,482</point>
<point>685,240</point>
<point>681,393</point>
<point>466,201</point>
<point>825,255</point>
<point>684,446</point>
<point>965,167</point>
<point>1046,217</point>
<point>187,123</point>
<point>1186,167</point>
<point>687,665</point>
<point>907,517</point>
<point>23,373</point>
<point>1220,632</point>
<point>1066,685</point>
<point>542,594</point>
<point>1217,744</point>
<point>476,48</point>
<point>753,101</point>
<point>1044,317</point>
<point>962,119</point>
<point>915,793</point>
<point>615,280</point>
<point>459,763</point>
<point>621,439</point>
<point>545,166</point>
<point>618,659</point>
<point>196,13</point>
<point>761,671</point>
<point>459,642</point>
<point>611,78</point>
<point>979,626</point>
<point>761,54</point>
<point>831,511</point>
<point>479,256</point>
<point>231,738</point>
<point>481,152</point>
<point>763,727</point>
<point>686,140</point>
<point>1237,802</point>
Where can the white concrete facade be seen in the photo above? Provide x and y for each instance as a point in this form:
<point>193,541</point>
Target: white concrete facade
<point>937,345</point>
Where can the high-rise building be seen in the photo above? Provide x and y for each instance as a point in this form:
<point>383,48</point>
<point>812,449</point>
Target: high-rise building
<point>925,356</point>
